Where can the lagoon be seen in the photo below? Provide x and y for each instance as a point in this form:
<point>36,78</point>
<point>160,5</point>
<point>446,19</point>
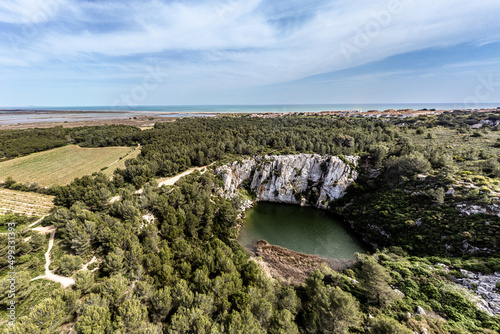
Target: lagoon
<point>301,229</point>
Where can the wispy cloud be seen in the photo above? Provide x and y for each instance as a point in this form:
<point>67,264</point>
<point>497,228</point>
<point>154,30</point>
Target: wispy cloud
<point>227,43</point>
<point>31,11</point>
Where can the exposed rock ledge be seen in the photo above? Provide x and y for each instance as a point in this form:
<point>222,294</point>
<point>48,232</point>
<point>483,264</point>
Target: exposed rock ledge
<point>303,179</point>
<point>485,286</point>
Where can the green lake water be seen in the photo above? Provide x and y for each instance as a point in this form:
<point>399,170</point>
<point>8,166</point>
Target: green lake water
<point>301,229</point>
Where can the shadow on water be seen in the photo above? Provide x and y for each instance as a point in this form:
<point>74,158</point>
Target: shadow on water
<point>301,229</point>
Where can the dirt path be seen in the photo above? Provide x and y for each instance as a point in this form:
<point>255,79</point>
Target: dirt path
<point>65,281</point>
<point>44,229</point>
<point>68,281</point>
<point>86,266</point>
<point>168,181</point>
<point>38,221</point>
<point>171,181</point>
<point>126,155</point>
<point>39,229</point>
<point>114,199</point>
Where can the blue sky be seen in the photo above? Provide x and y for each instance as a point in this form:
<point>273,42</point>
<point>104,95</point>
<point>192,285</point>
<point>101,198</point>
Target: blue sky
<point>148,52</point>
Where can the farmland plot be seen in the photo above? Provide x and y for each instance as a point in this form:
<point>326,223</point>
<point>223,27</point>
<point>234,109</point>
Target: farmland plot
<point>28,203</point>
<point>61,165</point>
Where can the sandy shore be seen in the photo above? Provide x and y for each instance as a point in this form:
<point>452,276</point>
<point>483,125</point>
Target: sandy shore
<point>141,121</point>
<point>25,118</point>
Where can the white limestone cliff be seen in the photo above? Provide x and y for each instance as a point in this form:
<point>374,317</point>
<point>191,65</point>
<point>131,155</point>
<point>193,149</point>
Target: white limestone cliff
<point>304,179</point>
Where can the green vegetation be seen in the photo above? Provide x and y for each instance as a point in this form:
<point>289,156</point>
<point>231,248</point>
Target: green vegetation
<point>184,272</point>
<point>61,165</point>
<point>392,147</point>
<point>68,264</point>
<point>14,143</point>
<point>120,164</point>
<point>20,221</point>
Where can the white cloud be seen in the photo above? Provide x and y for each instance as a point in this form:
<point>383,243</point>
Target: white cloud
<point>30,11</point>
<point>7,61</point>
<point>234,42</point>
<point>174,26</point>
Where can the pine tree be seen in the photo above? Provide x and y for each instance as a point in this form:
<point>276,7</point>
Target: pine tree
<point>94,319</point>
<point>37,241</point>
<point>46,317</point>
<point>113,264</point>
<point>69,263</point>
<point>79,239</point>
<point>84,281</point>
<point>283,323</point>
<point>131,316</point>
<point>375,279</point>
<point>114,289</point>
<point>330,309</point>
<point>383,325</point>
<point>161,304</point>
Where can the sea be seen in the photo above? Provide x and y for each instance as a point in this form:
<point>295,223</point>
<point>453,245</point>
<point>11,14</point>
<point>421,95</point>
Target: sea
<point>34,114</point>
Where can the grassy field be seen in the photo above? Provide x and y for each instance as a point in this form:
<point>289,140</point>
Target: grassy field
<point>61,165</point>
<point>30,204</point>
<point>121,163</point>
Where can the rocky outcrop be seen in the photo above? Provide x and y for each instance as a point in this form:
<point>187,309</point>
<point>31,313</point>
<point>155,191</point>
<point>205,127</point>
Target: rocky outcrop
<point>469,209</point>
<point>304,179</point>
<point>485,286</point>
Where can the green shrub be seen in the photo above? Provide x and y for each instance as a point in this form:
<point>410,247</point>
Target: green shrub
<point>408,165</point>
<point>430,291</point>
<point>384,325</point>
<point>410,288</point>
<point>68,264</point>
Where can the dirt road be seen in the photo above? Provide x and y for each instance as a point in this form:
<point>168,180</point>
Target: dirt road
<point>172,180</point>
<point>65,281</point>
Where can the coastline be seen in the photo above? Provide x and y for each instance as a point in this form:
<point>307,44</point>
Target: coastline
<point>24,118</point>
<point>141,122</point>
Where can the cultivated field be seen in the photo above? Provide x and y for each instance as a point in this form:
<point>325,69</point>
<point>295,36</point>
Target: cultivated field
<point>61,165</point>
<point>121,163</point>
<point>28,203</point>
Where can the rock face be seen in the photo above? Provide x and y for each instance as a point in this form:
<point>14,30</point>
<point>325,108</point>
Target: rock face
<point>485,286</point>
<point>304,179</point>
<point>492,209</point>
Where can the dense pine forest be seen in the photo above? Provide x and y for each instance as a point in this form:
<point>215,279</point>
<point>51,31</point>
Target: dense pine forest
<point>184,272</point>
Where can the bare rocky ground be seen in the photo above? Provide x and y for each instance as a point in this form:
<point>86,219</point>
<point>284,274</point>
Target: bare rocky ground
<point>291,267</point>
<point>485,287</point>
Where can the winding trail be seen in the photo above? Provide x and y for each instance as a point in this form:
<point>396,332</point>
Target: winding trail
<point>68,281</point>
<point>169,181</point>
<point>65,281</point>
<point>30,226</point>
<point>172,180</point>
<point>126,155</point>
<point>86,266</point>
<point>38,221</point>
